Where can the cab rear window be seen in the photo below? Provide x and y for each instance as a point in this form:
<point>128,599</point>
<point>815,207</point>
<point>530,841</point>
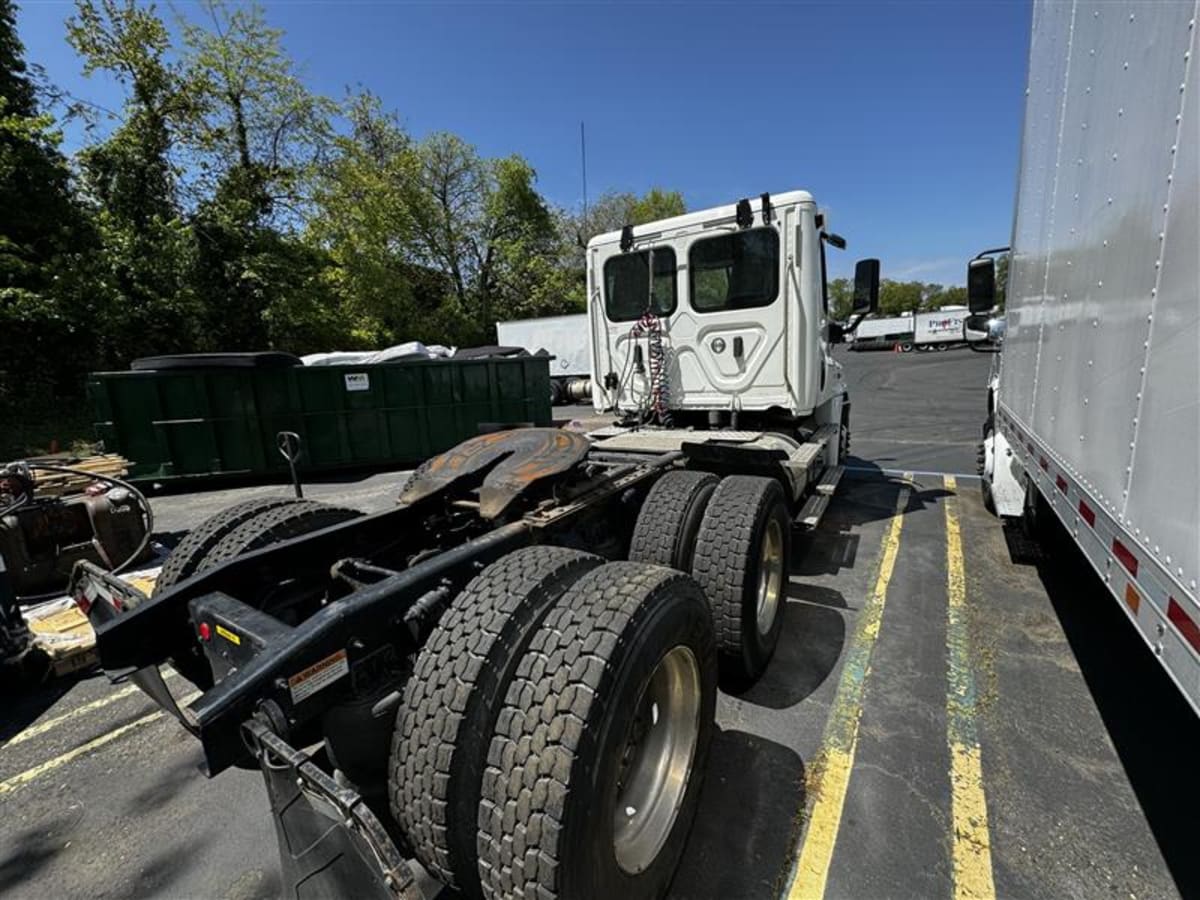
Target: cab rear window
<point>739,270</point>
<point>630,292</point>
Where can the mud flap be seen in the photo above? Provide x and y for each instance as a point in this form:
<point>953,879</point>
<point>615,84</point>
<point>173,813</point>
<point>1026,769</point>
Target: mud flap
<point>330,843</point>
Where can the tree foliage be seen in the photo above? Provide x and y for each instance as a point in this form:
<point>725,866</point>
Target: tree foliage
<point>226,206</point>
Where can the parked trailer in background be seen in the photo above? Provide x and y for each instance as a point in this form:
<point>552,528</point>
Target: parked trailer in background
<point>884,333</point>
<point>563,337</point>
<point>938,329</point>
<point>1094,413</point>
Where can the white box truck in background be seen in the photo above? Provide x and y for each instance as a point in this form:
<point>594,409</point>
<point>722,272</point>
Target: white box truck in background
<point>563,337</point>
<point>937,329</point>
<point>1094,412</point>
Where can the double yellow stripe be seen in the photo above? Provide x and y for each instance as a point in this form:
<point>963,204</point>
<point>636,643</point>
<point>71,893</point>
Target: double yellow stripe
<point>831,775</point>
<point>56,762</point>
<point>971,841</point>
<point>972,846</point>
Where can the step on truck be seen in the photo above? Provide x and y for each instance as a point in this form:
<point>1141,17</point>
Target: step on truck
<point>510,677</point>
<point>1093,407</point>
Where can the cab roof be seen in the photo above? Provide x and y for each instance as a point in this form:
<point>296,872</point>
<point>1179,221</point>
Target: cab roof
<point>700,217</point>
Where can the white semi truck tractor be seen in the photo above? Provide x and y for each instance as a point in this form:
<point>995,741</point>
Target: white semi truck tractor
<point>714,327</point>
<point>1094,405</point>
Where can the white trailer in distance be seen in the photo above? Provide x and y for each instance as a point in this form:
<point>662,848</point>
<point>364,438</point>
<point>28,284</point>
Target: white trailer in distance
<point>563,337</point>
<point>1094,410</point>
<point>935,329</point>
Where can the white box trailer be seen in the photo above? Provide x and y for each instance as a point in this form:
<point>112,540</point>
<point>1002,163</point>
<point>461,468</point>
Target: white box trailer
<point>935,329</point>
<point>1096,405</point>
<point>940,328</point>
<point>563,337</point>
<point>883,333</point>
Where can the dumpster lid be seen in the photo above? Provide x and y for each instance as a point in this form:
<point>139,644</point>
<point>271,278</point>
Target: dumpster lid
<point>263,360</point>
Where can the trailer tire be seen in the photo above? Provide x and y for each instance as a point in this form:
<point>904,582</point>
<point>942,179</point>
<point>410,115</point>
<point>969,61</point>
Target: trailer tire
<point>741,561</point>
<point>669,520</point>
<point>445,722</point>
<point>619,681</point>
<point>987,464</point>
<point>274,525</point>
<point>189,553</point>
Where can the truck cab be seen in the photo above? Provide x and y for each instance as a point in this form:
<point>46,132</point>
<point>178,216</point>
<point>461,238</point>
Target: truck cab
<point>720,317</point>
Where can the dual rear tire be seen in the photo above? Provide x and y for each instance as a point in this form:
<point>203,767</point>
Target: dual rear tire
<point>734,536</point>
<point>553,735</point>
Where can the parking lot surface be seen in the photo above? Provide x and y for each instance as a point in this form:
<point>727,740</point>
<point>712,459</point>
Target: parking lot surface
<point>939,719</point>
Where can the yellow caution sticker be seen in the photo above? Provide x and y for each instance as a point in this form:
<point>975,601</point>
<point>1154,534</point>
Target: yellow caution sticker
<point>319,675</point>
<point>229,635</point>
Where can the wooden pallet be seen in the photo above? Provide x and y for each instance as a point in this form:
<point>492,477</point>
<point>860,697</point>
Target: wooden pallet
<point>58,484</point>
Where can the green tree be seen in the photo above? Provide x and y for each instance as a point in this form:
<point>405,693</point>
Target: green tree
<point>483,224</point>
<point>361,218</point>
<point>45,312</point>
<point>256,134</point>
<point>841,298</point>
<point>897,297</point>
<point>130,180</point>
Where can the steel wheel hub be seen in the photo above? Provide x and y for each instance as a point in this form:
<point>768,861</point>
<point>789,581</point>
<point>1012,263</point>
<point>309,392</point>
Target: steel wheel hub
<point>656,762</point>
<point>770,577</point>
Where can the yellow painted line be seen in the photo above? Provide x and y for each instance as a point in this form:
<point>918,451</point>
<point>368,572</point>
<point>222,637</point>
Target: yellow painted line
<point>972,847</point>
<point>62,759</point>
<point>831,774</point>
<point>41,728</point>
<point>83,749</point>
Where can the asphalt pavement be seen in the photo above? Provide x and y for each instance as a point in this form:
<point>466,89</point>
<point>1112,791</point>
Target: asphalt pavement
<point>939,719</point>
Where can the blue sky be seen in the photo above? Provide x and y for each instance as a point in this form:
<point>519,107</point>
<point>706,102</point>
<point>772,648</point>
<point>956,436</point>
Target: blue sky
<point>902,118</point>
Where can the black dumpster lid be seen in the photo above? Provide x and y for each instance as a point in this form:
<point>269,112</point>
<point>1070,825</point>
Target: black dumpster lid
<point>263,360</point>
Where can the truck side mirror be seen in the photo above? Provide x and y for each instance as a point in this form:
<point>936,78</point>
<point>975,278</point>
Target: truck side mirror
<point>981,285</point>
<point>975,328</point>
<point>866,286</point>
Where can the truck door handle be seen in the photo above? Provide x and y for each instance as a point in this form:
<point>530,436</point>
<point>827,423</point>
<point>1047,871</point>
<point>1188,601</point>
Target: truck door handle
<point>738,347</point>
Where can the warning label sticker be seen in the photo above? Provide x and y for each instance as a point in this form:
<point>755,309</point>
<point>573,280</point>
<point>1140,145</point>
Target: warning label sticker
<point>317,676</point>
<point>357,381</point>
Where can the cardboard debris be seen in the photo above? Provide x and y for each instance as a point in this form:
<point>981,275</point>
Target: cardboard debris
<point>64,634</point>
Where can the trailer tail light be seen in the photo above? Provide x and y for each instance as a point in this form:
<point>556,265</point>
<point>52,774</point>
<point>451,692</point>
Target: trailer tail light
<point>1061,483</point>
<point>1184,623</point>
<point>1132,599</point>
<point>1088,514</point>
<point>204,631</point>
<point>1128,560</point>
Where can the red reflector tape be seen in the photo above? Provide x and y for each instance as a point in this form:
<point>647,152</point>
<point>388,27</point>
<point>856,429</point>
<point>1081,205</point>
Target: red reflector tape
<point>1086,512</point>
<point>1042,462</point>
<point>1184,623</point>
<point>82,601</point>
<point>1128,560</point>
<point>1061,482</point>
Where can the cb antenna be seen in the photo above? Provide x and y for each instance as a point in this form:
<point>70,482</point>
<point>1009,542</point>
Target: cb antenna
<point>583,158</point>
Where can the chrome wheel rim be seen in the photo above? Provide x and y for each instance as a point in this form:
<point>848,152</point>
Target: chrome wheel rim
<point>656,762</point>
<point>770,577</point>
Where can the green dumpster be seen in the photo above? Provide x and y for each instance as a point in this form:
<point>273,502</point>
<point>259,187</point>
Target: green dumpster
<point>222,420</point>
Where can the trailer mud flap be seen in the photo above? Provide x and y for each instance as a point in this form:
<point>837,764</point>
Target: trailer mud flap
<point>330,843</point>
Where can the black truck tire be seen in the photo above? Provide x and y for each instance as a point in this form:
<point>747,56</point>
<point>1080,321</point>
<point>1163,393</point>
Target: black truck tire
<point>622,670</point>
<point>273,525</point>
<point>185,559</point>
<point>445,722</point>
<point>741,562</point>
<point>665,533</point>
